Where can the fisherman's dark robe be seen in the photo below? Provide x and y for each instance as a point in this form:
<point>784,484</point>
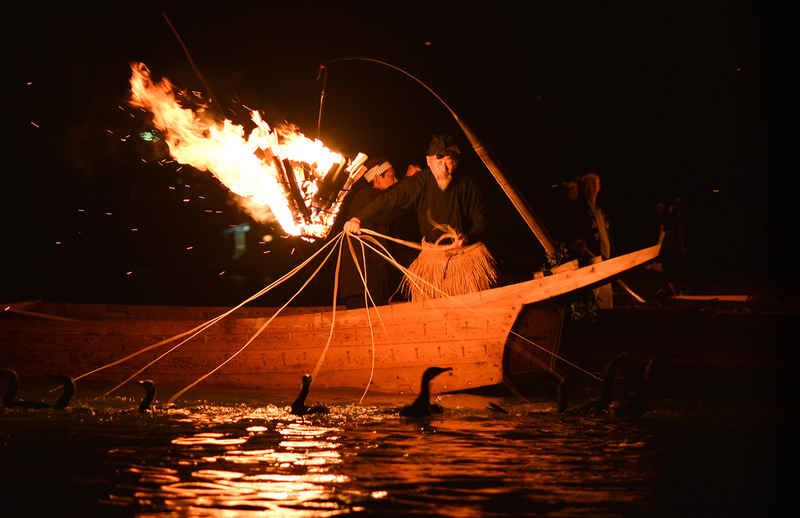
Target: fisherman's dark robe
<point>584,225</point>
<point>376,267</point>
<point>459,206</point>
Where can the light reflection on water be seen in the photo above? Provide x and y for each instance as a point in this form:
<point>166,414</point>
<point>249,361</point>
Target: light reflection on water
<point>222,459</point>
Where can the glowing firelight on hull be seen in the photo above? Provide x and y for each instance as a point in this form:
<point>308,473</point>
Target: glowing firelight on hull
<point>278,174</point>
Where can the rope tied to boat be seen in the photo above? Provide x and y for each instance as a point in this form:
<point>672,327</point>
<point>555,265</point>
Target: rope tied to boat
<point>448,269</point>
<point>371,241</point>
<point>420,282</point>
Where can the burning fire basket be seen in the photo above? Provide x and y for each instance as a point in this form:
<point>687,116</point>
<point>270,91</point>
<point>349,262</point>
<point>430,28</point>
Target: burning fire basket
<point>278,174</point>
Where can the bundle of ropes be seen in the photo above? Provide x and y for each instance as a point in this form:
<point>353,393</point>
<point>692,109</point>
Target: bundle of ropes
<point>450,271</point>
<point>447,266</point>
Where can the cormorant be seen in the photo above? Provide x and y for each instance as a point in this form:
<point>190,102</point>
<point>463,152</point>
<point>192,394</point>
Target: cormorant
<point>494,407</point>
<point>564,387</point>
<point>69,390</point>
<point>10,398</point>
<point>299,406</point>
<point>150,394</point>
<point>607,394</point>
<point>638,404</point>
<point>422,406</point>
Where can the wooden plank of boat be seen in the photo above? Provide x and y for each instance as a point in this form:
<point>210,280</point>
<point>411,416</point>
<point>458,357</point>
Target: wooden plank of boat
<point>386,348</point>
<point>726,298</point>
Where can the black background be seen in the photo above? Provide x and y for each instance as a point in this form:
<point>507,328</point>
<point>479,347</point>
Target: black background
<point>664,99</point>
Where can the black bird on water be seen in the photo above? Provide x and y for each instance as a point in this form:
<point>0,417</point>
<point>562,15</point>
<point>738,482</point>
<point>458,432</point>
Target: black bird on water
<point>422,407</point>
<point>607,393</point>
<point>494,407</point>
<point>564,387</point>
<point>150,394</point>
<point>10,398</point>
<point>640,401</point>
<point>299,406</point>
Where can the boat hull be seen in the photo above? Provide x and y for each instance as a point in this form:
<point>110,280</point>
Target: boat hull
<point>385,349</point>
<point>403,342</point>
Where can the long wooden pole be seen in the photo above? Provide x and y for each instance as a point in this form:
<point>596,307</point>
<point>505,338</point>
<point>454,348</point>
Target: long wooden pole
<point>486,156</point>
<point>191,62</point>
<point>525,210</point>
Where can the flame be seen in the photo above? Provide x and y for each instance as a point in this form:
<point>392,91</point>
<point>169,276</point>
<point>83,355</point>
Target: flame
<point>256,167</point>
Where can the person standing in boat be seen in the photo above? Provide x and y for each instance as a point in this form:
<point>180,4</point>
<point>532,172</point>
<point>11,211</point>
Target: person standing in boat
<point>589,234</point>
<point>381,177</point>
<point>450,214</point>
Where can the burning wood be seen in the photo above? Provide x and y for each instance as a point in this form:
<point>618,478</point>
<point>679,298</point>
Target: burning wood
<point>338,185</point>
<point>279,174</point>
<point>328,189</point>
<point>294,190</point>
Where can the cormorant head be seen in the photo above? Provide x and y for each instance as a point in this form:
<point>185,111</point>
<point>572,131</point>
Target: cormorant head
<point>656,363</point>
<point>64,380</point>
<point>147,384</point>
<point>432,372</point>
<point>10,375</point>
<point>69,390</point>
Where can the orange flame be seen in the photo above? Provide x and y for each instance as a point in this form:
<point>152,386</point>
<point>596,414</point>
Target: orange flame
<point>251,167</point>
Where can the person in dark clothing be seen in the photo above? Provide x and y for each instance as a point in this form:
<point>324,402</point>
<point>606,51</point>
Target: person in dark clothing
<point>450,215</point>
<point>381,177</point>
<point>589,233</point>
<point>438,197</point>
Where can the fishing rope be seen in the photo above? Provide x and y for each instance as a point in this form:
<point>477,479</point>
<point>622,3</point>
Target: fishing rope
<point>387,256</point>
<point>367,299</point>
<point>261,329</point>
<point>215,320</point>
<point>337,242</point>
<point>204,326</point>
<point>405,271</point>
<point>367,240</point>
<point>324,353</point>
<point>384,253</point>
<point>363,240</point>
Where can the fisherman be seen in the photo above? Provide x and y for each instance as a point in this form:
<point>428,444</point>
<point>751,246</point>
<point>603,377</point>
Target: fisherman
<point>450,215</point>
<point>589,232</point>
<point>381,177</point>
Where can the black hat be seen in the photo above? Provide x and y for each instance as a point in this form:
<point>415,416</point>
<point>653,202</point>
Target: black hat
<point>443,145</point>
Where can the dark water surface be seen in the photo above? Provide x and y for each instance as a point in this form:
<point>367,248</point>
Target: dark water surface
<point>717,451</point>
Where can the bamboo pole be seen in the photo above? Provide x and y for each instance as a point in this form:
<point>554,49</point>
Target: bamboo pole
<point>483,151</point>
<point>217,106</point>
<point>525,210</point>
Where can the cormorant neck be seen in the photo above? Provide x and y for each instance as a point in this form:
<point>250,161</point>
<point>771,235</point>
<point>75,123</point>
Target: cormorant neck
<point>11,391</point>
<point>425,390</point>
<point>66,397</point>
<point>144,406</point>
<point>299,404</point>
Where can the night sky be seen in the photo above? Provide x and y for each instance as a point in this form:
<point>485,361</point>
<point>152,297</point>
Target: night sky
<point>663,99</point>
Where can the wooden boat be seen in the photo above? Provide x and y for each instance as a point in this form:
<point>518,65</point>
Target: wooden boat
<point>714,330</point>
<point>483,336</point>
